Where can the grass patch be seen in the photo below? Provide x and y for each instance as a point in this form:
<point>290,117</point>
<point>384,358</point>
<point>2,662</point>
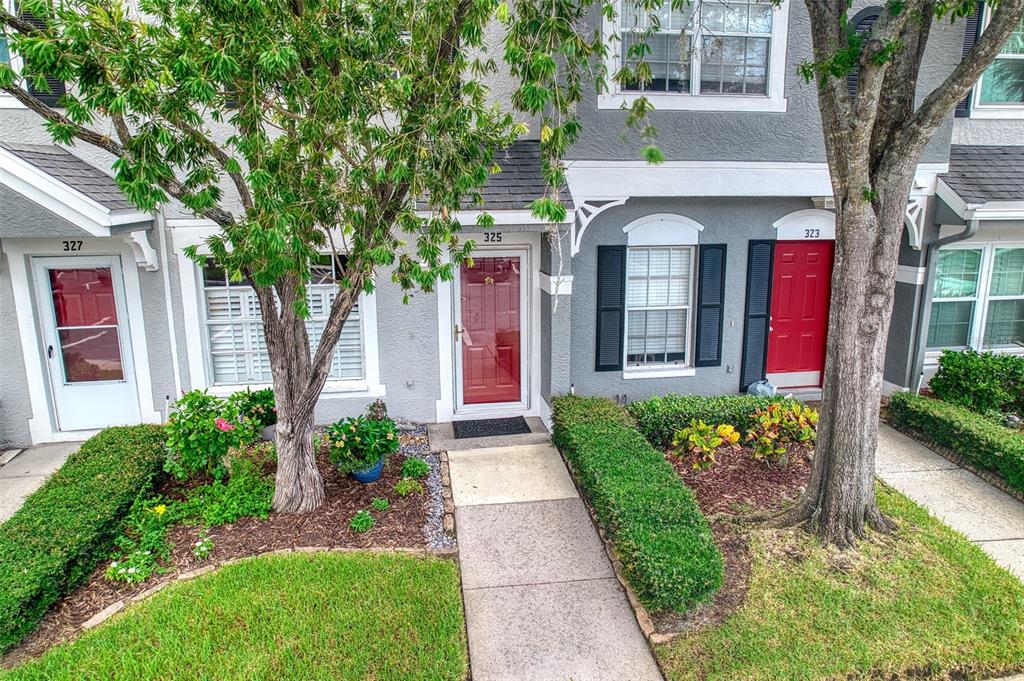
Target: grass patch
<point>299,616</point>
<point>925,601</point>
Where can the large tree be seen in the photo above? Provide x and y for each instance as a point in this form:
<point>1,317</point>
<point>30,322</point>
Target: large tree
<point>357,127</point>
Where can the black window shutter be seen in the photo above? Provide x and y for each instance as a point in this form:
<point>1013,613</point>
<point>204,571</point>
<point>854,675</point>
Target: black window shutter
<point>973,30</point>
<point>758,312</point>
<point>862,23</point>
<point>55,88</point>
<point>710,305</point>
<point>611,307</point>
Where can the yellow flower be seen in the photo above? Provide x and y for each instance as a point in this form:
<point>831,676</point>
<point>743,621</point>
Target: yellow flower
<point>160,509</point>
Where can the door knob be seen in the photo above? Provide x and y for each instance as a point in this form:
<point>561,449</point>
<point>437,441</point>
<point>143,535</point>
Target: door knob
<point>49,352</point>
<point>458,333</point>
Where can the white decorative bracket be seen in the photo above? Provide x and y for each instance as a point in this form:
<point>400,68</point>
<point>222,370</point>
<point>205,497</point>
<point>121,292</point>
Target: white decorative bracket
<point>145,255</point>
<point>586,211</point>
<point>914,220</point>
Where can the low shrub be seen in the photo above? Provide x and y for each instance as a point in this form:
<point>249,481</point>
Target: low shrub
<point>984,443</point>
<point>247,492</point>
<point>664,542</point>
<point>200,432</point>
<point>778,425</point>
<point>358,443</point>
<point>415,467</point>
<point>983,381</point>
<point>66,528</point>
<point>407,486</point>
<point>702,441</point>
<point>658,418</point>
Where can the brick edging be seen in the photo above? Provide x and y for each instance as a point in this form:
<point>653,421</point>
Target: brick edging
<point>953,457</point>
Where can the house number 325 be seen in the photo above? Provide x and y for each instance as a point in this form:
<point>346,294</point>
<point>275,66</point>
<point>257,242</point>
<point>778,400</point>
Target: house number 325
<point>72,245</point>
<point>492,237</point>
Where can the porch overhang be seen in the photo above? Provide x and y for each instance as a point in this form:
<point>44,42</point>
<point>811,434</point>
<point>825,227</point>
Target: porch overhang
<point>984,183</point>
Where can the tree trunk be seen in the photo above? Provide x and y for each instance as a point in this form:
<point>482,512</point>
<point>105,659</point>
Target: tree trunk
<point>840,499</point>
<point>298,487</point>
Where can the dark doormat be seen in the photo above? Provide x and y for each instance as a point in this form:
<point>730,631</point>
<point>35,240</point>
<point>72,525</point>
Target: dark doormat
<point>490,427</point>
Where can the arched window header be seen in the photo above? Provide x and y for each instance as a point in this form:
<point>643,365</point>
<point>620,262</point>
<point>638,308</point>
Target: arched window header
<point>810,224</point>
<point>663,229</point>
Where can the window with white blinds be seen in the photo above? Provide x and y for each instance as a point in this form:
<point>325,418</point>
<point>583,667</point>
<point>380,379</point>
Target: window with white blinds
<point>659,302</point>
<point>238,351</point>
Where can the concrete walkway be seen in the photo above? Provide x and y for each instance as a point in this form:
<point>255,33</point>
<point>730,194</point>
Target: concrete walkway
<point>27,471</point>
<point>541,599</point>
<point>990,518</point>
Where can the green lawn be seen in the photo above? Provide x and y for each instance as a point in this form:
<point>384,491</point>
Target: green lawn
<point>297,616</point>
<point>924,600</point>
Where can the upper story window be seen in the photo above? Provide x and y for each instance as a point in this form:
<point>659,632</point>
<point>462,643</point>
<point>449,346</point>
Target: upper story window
<point>717,55</point>
<point>237,350</point>
<point>1003,81</point>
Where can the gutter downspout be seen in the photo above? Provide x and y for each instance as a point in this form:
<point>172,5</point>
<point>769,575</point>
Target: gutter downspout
<point>161,225</point>
<point>923,319</point>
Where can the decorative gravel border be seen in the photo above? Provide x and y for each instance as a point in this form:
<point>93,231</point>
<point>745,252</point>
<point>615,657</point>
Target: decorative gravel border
<point>439,528</point>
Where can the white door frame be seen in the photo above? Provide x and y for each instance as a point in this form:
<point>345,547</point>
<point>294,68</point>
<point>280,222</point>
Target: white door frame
<point>42,426</point>
<point>449,407</point>
<point>48,325</point>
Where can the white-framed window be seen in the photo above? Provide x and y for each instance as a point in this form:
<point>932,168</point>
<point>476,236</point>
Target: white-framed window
<point>978,298</point>
<point>236,349</point>
<point>659,306</point>
<point>724,55</point>
<point>1000,90</point>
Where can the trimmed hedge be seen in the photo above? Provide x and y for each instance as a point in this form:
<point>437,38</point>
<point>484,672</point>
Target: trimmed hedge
<point>659,417</point>
<point>983,381</point>
<point>665,544</point>
<point>67,526</point>
<point>979,440</point>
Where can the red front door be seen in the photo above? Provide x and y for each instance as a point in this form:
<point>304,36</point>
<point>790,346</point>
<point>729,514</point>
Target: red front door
<point>801,291</point>
<point>490,331</point>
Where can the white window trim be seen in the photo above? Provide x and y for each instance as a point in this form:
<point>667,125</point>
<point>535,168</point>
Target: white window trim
<point>979,110</point>
<point>981,299</point>
<point>7,100</point>
<point>187,232</point>
<point>774,102</point>
<point>663,370</point>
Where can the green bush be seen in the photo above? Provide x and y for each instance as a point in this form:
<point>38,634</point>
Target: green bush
<point>658,418</point>
<point>984,443</point>
<point>257,405</point>
<point>358,443</point>
<point>663,540</point>
<point>68,525</point>
<point>983,381</point>
<point>247,492</point>
<point>200,432</point>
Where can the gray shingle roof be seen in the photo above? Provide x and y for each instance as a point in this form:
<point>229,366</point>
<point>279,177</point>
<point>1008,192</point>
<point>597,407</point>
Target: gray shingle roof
<point>520,180</point>
<point>979,174</point>
<point>72,171</point>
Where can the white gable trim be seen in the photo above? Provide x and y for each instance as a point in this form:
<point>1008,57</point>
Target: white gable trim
<point>663,229</point>
<point>807,224</point>
<point>60,198</point>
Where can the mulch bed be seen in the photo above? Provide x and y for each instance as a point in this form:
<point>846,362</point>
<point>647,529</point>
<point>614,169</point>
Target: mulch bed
<point>401,526</point>
<point>737,485</point>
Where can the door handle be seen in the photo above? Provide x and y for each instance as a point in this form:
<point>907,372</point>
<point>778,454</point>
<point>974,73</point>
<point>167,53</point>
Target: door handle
<point>49,352</point>
<point>458,333</point>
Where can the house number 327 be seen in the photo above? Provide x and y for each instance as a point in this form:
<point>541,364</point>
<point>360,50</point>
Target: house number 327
<point>72,245</point>
<point>492,237</point>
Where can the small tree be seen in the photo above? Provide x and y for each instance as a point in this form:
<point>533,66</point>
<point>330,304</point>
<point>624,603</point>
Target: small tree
<point>354,126</point>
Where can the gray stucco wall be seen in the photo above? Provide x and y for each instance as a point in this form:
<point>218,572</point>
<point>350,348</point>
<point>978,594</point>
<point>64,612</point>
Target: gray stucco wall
<point>899,355</point>
<point>983,131</point>
<point>15,409</point>
<point>749,136</point>
<point>158,335</point>
<point>733,222</point>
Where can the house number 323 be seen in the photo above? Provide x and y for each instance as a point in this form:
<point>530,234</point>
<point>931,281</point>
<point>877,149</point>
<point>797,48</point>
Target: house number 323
<point>492,237</point>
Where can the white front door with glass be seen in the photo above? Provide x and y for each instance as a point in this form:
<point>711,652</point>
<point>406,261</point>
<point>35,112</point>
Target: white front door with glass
<point>978,298</point>
<point>85,337</point>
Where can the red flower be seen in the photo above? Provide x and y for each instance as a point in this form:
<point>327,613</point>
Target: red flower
<point>224,425</point>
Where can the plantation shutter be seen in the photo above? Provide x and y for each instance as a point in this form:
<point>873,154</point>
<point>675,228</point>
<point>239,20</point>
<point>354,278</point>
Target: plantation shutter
<point>862,21</point>
<point>710,304</point>
<point>55,88</point>
<point>757,316</point>
<point>611,300</point>
<point>973,30</point>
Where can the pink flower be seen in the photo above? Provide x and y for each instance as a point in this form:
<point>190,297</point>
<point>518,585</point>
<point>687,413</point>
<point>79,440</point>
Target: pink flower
<point>224,425</point>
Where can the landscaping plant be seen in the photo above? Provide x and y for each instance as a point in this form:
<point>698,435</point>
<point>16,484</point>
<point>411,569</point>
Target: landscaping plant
<point>144,544</point>
<point>201,430</point>
<point>703,441</point>
<point>658,418</point>
<point>358,443</point>
<point>407,486</point>
<point>67,527</point>
<point>203,547</point>
<point>380,504</point>
<point>986,382</point>
<point>415,467</point>
<point>245,492</point>
<point>256,405</point>
<point>779,425</point>
<point>361,522</point>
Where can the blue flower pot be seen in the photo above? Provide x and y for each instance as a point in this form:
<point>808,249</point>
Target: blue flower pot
<point>371,474</point>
